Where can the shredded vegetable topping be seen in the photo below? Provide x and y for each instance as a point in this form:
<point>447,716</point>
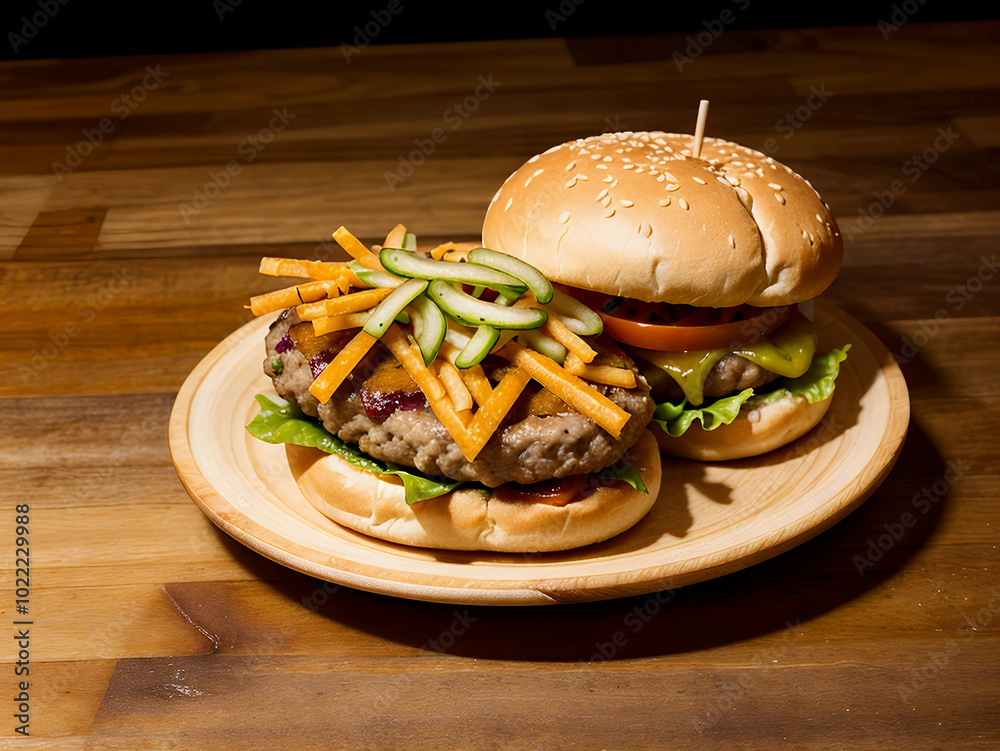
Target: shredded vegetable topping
<point>440,314</point>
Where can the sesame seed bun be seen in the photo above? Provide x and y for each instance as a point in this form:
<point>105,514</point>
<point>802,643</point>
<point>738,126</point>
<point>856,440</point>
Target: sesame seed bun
<point>375,505</point>
<point>637,215</point>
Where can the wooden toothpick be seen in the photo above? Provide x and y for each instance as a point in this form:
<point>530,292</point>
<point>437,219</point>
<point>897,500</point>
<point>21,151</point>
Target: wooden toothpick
<point>699,130</point>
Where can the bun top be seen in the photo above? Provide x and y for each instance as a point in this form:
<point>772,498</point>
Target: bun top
<point>637,215</point>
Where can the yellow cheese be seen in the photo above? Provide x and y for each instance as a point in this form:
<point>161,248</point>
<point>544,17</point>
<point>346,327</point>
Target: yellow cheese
<point>787,351</point>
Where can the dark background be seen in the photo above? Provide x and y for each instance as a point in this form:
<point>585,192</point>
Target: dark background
<point>35,29</point>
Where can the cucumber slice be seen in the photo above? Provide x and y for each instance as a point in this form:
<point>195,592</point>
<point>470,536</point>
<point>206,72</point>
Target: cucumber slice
<point>406,263</point>
<point>429,327</point>
<point>387,310</point>
<point>374,278</point>
<point>409,241</point>
<point>578,318</point>
<point>539,285</point>
<point>480,345</point>
<point>545,344</point>
<point>467,310</point>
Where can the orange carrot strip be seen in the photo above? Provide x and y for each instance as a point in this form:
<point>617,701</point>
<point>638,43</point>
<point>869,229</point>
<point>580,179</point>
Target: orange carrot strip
<point>340,322</point>
<point>571,341</point>
<point>413,363</point>
<point>395,237</point>
<point>606,374</point>
<point>352,303</point>
<point>461,397</point>
<point>323,270</point>
<point>328,381</point>
<point>477,383</point>
<point>289,296</point>
<point>357,249</point>
<point>489,416</point>
<point>568,387</point>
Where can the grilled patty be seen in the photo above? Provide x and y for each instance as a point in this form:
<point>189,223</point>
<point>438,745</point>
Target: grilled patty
<point>380,409</point>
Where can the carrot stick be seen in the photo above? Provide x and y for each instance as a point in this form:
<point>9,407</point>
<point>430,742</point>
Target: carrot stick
<point>461,397</point>
<point>568,387</point>
<point>357,249</point>
<point>328,381</point>
<point>352,303</point>
<point>329,270</point>
<point>340,322</point>
<point>571,341</point>
<point>289,296</point>
<point>606,374</point>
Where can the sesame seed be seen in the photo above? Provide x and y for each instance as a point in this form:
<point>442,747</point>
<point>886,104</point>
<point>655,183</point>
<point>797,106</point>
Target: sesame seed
<point>611,213</point>
<point>645,229</point>
<point>564,217</point>
<point>571,165</point>
<point>664,201</point>
<point>626,203</point>
<point>684,204</point>
<point>732,242</point>
<point>607,159</point>
<point>507,206</point>
<point>699,181</point>
<point>602,195</point>
<point>774,186</point>
<point>628,166</point>
<point>571,183</point>
<point>781,198</point>
<point>601,166</point>
<point>672,187</point>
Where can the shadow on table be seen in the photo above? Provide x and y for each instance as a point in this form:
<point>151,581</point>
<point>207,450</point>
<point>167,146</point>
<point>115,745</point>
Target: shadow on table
<point>773,597</point>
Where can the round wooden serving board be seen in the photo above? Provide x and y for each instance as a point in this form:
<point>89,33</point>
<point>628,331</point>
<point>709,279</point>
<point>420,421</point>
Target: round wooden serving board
<point>709,520</point>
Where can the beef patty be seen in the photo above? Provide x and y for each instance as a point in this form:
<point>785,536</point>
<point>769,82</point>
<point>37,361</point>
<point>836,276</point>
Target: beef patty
<point>379,408</point>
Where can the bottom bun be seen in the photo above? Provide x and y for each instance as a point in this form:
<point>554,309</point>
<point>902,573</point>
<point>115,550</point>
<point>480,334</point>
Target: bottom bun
<point>755,431</point>
<point>465,519</point>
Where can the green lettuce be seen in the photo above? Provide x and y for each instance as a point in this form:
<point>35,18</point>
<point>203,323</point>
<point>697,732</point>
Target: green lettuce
<point>816,384</point>
<point>280,421</point>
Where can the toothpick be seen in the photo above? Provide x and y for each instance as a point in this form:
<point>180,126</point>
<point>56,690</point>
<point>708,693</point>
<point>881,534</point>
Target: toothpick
<point>699,130</point>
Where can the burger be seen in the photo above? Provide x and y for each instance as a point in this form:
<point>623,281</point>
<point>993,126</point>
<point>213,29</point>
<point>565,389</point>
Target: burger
<point>702,259</point>
<point>453,398</point>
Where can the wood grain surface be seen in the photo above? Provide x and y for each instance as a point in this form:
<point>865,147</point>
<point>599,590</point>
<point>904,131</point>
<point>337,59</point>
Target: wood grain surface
<point>137,195</point>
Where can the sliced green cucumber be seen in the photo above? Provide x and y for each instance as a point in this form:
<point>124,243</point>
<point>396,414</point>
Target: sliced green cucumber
<point>409,241</point>
<point>480,345</point>
<point>429,327</point>
<point>467,310</point>
<point>393,305</point>
<point>578,318</point>
<point>545,344</point>
<point>406,263</point>
<point>374,278</point>
<point>536,281</point>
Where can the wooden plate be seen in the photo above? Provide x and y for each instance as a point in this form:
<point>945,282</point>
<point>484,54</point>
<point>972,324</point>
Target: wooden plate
<point>710,519</point>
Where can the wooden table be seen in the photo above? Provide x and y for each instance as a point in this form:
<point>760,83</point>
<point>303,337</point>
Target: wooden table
<point>136,198</point>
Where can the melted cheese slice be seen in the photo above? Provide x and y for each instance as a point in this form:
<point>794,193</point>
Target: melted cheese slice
<point>787,351</point>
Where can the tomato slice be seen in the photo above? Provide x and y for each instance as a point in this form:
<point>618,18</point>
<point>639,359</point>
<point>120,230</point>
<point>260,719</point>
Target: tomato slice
<point>682,328</point>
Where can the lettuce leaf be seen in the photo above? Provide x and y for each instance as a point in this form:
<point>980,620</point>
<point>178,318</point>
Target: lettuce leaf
<point>280,421</point>
<point>816,384</point>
